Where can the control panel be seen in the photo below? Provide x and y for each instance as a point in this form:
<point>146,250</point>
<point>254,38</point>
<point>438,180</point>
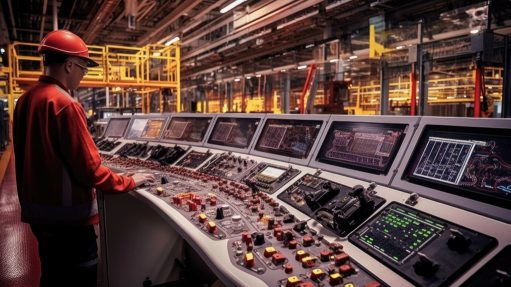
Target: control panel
<point>138,150</point>
<point>167,155</point>
<point>338,207</point>
<point>426,250</point>
<point>269,177</point>
<point>228,166</point>
<point>194,159</point>
<point>107,145</point>
<point>496,273</point>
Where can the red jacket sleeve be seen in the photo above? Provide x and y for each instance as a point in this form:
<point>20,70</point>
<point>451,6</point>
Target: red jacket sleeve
<point>81,155</point>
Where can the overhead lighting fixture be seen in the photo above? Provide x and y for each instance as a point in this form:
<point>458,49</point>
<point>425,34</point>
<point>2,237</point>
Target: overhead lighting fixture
<point>2,50</point>
<point>301,67</point>
<point>474,31</point>
<point>156,54</point>
<point>231,6</point>
<point>248,78</point>
<point>258,76</point>
<point>399,47</point>
<point>172,41</point>
<point>353,57</point>
<point>282,71</point>
<point>236,80</point>
<point>334,60</point>
<point>309,46</point>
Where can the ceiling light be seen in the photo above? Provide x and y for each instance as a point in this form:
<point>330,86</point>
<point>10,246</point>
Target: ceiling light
<point>282,71</point>
<point>156,54</point>
<point>474,31</point>
<point>172,41</point>
<point>334,60</point>
<point>258,76</point>
<point>231,6</point>
<point>248,78</point>
<point>399,47</point>
<point>353,57</point>
<point>2,50</point>
<point>236,80</point>
<point>301,67</point>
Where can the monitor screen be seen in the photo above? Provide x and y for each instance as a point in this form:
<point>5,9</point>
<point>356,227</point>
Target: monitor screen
<point>234,132</point>
<point>367,147</point>
<point>469,162</point>
<point>146,128</point>
<point>187,129</point>
<point>117,127</point>
<point>286,137</point>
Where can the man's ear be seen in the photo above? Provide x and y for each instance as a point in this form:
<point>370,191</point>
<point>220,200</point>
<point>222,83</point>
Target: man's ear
<point>68,66</point>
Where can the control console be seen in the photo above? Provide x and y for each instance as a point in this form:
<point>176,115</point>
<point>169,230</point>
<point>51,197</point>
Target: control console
<point>194,159</point>
<point>338,207</point>
<point>426,250</point>
<point>228,166</point>
<point>107,145</point>
<point>269,177</point>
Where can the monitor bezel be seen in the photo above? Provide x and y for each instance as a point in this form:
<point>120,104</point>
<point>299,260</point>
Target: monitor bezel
<point>125,130</point>
<point>466,203</point>
<point>304,117</point>
<point>385,179</point>
<point>246,150</point>
<point>189,115</point>
<point>149,116</point>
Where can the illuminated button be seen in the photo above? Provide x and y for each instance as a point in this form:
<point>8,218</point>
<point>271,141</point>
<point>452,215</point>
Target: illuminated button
<point>373,284</point>
<point>308,241</point>
<point>346,269</point>
<point>211,227</point>
<point>341,258</point>
<point>335,279</point>
<point>249,260</point>
<point>349,285</point>
<point>293,281</point>
<point>159,190</point>
<point>202,218</point>
<point>325,255</point>
<point>292,244</point>
<point>306,284</point>
<point>317,274</point>
<point>309,262</point>
<point>269,251</point>
<point>300,254</point>
<point>289,269</point>
<point>278,258</point>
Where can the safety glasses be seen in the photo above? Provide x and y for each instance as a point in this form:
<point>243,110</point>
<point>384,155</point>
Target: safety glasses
<point>85,70</point>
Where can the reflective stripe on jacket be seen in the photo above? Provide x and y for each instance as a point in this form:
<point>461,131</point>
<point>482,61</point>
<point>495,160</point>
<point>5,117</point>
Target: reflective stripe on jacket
<point>57,163</point>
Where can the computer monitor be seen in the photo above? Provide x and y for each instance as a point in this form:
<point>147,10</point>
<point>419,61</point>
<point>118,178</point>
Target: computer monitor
<point>234,132</point>
<point>146,128</point>
<point>187,129</point>
<point>117,127</point>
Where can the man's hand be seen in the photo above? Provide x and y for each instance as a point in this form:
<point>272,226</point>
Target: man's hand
<point>141,178</point>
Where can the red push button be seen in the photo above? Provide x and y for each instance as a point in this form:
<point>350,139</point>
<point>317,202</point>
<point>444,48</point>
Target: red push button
<point>289,269</point>
<point>373,284</point>
<point>244,236</point>
<point>325,255</point>
<point>278,258</point>
<point>276,231</point>
<point>212,202</point>
<point>308,241</point>
<point>292,244</point>
<point>346,269</point>
<point>341,258</point>
<point>249,260</point>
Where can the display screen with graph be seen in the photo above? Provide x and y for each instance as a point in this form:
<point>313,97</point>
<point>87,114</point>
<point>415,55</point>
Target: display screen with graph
<point>187,129</point>
<point>234,132</point>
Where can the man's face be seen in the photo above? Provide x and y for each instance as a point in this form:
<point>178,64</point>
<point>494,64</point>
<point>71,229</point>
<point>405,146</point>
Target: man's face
<point>76,69</point>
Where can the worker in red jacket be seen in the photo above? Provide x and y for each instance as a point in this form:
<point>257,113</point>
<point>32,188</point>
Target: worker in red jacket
<point>58,166</point>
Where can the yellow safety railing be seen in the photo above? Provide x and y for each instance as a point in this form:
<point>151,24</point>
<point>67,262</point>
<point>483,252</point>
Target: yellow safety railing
<point>145,69</point>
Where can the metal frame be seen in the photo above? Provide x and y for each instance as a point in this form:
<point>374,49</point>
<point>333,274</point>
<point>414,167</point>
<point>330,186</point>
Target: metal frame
<point>119,117</point>
<point>159,116</point>
<point>189,115</point>
<point>381,178</point>
<point>261,118</point>
<point>305,162</point>
<point>447,198</point>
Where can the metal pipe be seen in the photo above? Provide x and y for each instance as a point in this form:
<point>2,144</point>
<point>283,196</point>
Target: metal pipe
<point>55,19</point>
<point>423,100</point>
<point>12,19</point>
<point>43,20</point>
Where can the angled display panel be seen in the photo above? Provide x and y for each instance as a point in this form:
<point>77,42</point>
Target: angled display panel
<point>365,147</point>
<point>116,127</point>
<point>466,163</point>
<point>289,139</point>
<point>147,128</point>
<point>235,133</point>
<point>191,129</point>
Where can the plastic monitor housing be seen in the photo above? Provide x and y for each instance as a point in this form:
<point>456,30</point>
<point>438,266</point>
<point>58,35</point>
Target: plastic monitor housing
<point>159,116</point>
<point>482,208</point>
<point>119,117</point>
<point>191,116</point>
<point>382,178</point>
<point>235,116</point>
<point>284,158</point>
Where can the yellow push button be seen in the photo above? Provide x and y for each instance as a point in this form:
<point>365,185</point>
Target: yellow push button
<point>335,279</point>
<point>269,251</point>
<point>202,218</point>
<point>293,281</point>
<point>317,274</point>
<point>159,190</point>
<point>211,227</point>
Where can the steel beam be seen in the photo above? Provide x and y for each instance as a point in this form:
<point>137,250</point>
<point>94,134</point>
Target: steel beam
<point>43,20</point>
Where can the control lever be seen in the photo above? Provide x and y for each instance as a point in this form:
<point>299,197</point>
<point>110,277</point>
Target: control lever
<point>425,266</point>
<point>299,227</point>
<point>457,241</point>
<point>413,199</point>
<point>252,184</point>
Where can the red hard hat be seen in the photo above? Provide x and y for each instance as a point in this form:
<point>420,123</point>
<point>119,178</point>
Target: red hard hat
<point>65,42</point>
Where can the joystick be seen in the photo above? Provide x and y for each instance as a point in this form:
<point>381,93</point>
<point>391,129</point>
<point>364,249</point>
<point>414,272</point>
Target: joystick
<point>425,266</point>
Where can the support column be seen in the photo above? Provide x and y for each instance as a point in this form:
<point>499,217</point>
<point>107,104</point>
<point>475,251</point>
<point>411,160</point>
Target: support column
<point>55,19</point>
<point>286,96</point>
<point>506,92</point>
<point>107,96</point>
<point>384,88</point>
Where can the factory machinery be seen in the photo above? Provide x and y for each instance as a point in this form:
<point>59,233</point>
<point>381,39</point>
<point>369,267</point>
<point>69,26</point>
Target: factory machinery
<point>315,200</point>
